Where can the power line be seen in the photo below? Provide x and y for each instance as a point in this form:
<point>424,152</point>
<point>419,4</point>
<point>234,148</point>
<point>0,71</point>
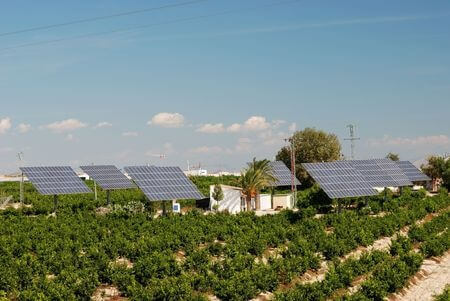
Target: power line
<point>93,19</point>
<point>179,20</point>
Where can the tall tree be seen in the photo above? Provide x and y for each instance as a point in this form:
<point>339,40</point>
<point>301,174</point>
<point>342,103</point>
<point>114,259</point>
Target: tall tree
<point>435,168</point>
<point>257,175</point>
<point>393,156</point>
<point>311,145</point>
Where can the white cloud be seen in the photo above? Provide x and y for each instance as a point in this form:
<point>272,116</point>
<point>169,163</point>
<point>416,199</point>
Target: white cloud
<point>207,150</point>
<point>436,140</point>
<point>234,128</point>
<point>253,124</point>
<point>211,128</point>
<point>65,125</point>
<point>243,145</point>
<point>5,125</point>
<point>130,134</point>
<point>271,138</point>
<point>167,120</point>
<point>23,128</point>
<point>277,123</point>
<point>103,124</point>
<point>69,137</point>
<point>293,127</point>
<point>256,123</point>
<point>167,149</point>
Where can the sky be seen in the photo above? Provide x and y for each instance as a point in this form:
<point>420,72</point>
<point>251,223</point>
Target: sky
<point>217,83</point>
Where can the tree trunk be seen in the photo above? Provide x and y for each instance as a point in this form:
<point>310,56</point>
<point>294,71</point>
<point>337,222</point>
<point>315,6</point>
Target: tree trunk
<point>257,202</point>
<point>248,202</point>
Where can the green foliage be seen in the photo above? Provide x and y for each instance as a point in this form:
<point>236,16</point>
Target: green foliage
<point>445,296</point>
<point>438,167</point>
<point>393,156</point>
<point>185,257</point>
<point>311,145</point>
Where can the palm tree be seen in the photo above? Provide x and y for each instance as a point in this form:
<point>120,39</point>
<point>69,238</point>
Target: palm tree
<point>257,175</point>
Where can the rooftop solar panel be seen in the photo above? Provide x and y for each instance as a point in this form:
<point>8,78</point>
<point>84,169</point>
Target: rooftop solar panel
<point>381,172</point>
<point>108,177</point>
<point>163,183</point>
<point>412,172</point>
<point>339,179</point>
<point>282,174</point>
<point>55,180</point>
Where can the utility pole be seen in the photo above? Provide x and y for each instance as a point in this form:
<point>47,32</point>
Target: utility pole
<point>20,156</point>
<point>352,139</point>
<point>291,140</point>
<point>95,186</point>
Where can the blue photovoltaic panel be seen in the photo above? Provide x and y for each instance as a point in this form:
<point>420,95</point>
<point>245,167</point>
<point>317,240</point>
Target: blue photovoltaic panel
<point>108,177</point>
<point>381,172</point>
<point>282,174</point>
<point>163,183</point>
<point>54,180</point>
<point>412,172</point>
<point>339,179</point>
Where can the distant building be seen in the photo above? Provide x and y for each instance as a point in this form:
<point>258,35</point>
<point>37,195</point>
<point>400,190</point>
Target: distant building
<point>196,172</point>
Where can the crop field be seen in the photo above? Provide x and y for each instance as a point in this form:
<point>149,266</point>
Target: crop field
<point>288,256</point>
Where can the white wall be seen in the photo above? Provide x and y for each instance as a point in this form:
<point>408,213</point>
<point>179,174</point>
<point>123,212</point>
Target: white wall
<point>265,201</point>
<point>283,200</point>
<point>231,199</point>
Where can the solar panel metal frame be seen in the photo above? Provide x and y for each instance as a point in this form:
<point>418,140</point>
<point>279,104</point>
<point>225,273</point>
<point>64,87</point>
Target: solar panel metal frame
<point>412,172</point>
<point>381,172</point>
<point>163,183</point>
<point>339,179</point>
<point>55,180</point>
<point>283,174</point>
<point>108,177</point>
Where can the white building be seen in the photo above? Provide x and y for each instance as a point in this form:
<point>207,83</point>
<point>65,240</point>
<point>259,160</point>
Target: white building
<point>196,172</point>
<point>234,202</point>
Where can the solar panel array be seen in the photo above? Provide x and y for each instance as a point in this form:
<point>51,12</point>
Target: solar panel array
<point>163,183</point>
<point>412,172</point>
<point>381,172</point>
<point>54,180</point>
<point>339,179</point>
<point>282,174</point>
<point>108,177</point>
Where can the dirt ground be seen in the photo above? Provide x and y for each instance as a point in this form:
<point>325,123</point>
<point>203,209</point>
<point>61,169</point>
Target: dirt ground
<point>431,280</point>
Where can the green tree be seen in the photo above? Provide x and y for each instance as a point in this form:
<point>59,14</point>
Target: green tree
<point>311,145</point>
<point>434,168</point>
<point>257,175</point>
<point>393,156</point>
<point>446,174</point>
<point>217,195</point>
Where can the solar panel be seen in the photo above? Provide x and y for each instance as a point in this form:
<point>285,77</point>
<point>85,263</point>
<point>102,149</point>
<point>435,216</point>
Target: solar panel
<point>282,174</point>
<point>412,172</point>
<point>163,183</point>
<point>381,172</point>
<point>108,177</point>
<point>339,179</point>
<point>54,180</point>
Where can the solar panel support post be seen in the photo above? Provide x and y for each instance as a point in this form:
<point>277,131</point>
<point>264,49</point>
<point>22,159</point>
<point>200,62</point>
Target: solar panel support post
<point>292,158</point>
<point>55,202</point>
<point>95,190</point>
<point>108,200</point>
<point>164,211</point>
<point>21,189</point>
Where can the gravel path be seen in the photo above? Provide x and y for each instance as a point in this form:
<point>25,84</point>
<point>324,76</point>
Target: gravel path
<point>431,280</point>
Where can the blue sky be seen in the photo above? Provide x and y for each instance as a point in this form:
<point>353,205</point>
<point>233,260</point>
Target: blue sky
<point>230,86</point>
